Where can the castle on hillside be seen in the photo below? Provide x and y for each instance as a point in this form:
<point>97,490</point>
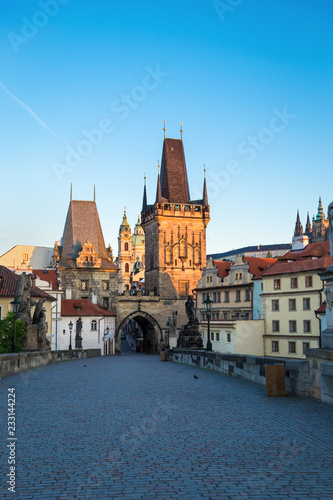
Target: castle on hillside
<point>314,233</point>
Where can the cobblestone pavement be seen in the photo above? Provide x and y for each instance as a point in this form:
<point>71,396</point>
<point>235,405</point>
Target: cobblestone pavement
<point>132,427</point>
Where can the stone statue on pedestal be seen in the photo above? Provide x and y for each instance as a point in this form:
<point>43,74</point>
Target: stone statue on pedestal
<point>190,336</point>
<point>327,277</point>
<point>78,338</point>
<point>39,319</point>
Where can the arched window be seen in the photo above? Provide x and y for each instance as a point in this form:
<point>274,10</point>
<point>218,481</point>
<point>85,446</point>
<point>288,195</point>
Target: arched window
<point>126,268</point>
<point>126,247</point>
<point>94,325</point>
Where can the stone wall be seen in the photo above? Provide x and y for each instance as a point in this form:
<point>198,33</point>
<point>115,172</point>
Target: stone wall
<point>14,363</point>
<point>319,358</point>
<point>250,368</point>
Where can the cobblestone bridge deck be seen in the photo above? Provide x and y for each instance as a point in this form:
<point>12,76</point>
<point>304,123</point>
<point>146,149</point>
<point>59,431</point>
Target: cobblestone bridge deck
<point>131,427</point>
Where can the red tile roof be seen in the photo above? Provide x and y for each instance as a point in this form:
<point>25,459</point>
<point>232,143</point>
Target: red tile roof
<point>297,266</point>
<point>9,285</point>
<point>82,307</point>
<point>319,249</point>
<point>48,275</point>
<point>322,308</point>
<point>256,265</point>
<point>222,267</point>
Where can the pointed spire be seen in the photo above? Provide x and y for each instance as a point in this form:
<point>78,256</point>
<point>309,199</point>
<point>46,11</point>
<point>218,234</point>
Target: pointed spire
<point>71,195</point>
<point>320,214</point>
<point>181,131</point>
<point>205,196</point>
<point>94,193</point>
<point>298,226</point>
<point>308,228</point>
<point>164,129</point>
<point>144,201</point>
<point>158,191</point>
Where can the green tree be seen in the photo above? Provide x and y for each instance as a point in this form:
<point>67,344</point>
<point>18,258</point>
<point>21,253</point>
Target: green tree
<point>7,333</point>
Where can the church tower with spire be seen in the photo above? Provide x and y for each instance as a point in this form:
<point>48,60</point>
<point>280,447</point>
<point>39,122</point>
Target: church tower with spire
<point>320,225</point>
<point>125,255</point>
<point>175,229</point>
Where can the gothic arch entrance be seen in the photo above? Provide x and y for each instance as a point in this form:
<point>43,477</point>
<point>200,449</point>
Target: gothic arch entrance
<point>151,330</point>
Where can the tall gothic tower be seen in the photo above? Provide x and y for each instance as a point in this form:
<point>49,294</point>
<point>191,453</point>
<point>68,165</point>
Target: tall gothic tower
<point>175,229</point>
<point>125,255</point>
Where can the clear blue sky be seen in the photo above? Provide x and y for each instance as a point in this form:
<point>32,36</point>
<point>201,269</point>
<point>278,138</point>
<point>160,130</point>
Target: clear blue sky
<point>253,86</point>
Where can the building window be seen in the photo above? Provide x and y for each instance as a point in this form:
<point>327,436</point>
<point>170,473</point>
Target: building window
<point>292,304</point>
<point>306,304</point>
<point>240,276</point>
<point>126,268</point>
<point>277,284</point>
<point>307,326</point>
<point>209,279</point>
<point>106,285</point>
<point>217,337</point>
<point>225,315</point>
<point>247,295</point>
<point>226,296</point>
<point>292,326</point>
<point>126,247</point>
<point>215,315</point>
<point>106,302</point>
<point>84,285</point>
<point>275,346</point>
<point>276,326</point>
<point>261,287</point>
<point>228,338</point>
<point>236,277</point>
<point>238,296</point>
<point>308,281</point>
<point>216,296</point>
<point>306,345</point>
<point>203,316</point>
<point>212,336</point>
<point>292,347</point>
<point>184,288</point>
<point>94,325</point>
<point>293,283</point>
<point>275,305</point>
<point>25,257</point>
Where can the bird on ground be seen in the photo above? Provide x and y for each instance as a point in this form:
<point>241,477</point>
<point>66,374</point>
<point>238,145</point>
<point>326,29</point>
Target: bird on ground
<point>195,377</point>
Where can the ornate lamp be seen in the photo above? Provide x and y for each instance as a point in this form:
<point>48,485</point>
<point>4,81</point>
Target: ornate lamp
<point>208,306</point>
<point>70,326</point>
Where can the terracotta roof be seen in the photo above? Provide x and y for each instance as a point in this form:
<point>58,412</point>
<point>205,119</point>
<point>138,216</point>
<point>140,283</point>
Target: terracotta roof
<point>222,268</point>
<point>297,266</point>
<point>319,249</point>
<point>82,307</point>
<point>48,275</point>
<point>258,264</point>
<point>9,284</point>
<point>82,223</point>
<point>322,308</point>
<point>174,182</point>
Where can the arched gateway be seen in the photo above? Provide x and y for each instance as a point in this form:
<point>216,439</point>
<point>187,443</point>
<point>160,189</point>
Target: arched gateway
<point>149,326</point>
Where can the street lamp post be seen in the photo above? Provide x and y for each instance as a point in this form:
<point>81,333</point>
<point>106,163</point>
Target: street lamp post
<point>167,334</point>
<point>106,338</point>
<point>208,306</point>
<point>70,326</point>
<point>15,303</point>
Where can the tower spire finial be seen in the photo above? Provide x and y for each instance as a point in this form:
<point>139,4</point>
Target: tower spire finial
<point>158,191</point>
<point>144,201</point>
<point>181,131</point>
<point>71,192</point>
<point>164,129</point>
<point>205,195</point>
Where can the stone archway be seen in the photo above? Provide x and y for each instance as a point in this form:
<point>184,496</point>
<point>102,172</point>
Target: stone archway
<point>150,327</point>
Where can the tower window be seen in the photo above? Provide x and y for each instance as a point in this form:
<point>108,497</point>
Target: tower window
<point>126,268</point>
<point>94,325</point>
<point>126,247</point>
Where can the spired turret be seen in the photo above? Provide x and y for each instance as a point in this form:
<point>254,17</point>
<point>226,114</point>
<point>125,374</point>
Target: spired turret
<point>175,228</point>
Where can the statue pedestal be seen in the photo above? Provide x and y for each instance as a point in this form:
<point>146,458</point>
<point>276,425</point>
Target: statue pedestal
<point>30,341</point>
<point>190,337</point>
